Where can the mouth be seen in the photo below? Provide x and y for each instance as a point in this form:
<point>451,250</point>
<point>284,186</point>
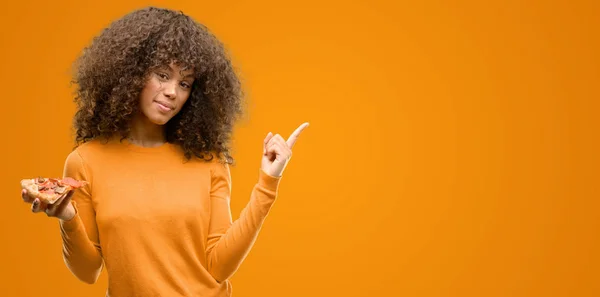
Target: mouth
<point>164,106</point>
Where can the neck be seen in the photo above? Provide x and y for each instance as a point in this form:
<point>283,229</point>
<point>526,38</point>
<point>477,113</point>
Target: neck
<point>145,133</point>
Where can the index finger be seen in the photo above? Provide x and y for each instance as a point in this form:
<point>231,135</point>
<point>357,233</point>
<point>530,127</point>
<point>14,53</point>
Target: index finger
<point>26,197</point>
<point>294,137</point>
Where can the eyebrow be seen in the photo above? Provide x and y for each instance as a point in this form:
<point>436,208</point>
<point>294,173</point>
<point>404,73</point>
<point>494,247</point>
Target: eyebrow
<point>185,76</point>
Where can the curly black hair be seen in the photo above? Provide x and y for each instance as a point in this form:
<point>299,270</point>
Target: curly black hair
<point>111,72</point>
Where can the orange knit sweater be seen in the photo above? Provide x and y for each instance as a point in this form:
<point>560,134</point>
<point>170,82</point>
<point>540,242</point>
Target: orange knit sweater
<point>161,226</point>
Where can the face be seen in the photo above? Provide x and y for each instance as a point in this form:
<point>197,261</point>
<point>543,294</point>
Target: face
<point>166,91</point>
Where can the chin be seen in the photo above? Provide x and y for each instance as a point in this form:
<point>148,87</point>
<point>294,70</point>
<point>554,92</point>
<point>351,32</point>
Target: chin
<point>159,120</point>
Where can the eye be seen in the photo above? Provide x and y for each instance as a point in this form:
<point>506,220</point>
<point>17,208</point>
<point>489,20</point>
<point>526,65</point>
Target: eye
<point>185,85</point>
<point>162,75</point>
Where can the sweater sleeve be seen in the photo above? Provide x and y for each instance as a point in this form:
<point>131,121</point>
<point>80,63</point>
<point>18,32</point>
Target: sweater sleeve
<point>230,242</point>
<point>81,246</point>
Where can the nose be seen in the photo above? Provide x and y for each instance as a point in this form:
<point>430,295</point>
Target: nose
<point>169,90</point>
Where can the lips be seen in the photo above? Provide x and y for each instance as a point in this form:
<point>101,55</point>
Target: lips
<point>165,105</point>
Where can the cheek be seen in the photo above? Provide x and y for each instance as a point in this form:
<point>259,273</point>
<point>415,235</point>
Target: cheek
<point>149,92</point>
<point>183,98</point>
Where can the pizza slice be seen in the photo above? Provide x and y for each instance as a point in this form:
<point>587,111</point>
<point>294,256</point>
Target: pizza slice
<point>49,190</point>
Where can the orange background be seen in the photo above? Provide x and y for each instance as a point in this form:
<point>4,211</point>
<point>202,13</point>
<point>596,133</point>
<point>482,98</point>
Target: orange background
<point>453,146</point>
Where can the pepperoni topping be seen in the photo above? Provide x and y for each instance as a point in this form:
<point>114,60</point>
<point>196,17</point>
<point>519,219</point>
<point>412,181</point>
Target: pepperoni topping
<point>52,184</point>
<point>71,182</point>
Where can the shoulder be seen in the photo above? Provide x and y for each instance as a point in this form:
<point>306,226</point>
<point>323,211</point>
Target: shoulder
<point>94,146</point>
<point>218,167</point>
<point>89,151</point>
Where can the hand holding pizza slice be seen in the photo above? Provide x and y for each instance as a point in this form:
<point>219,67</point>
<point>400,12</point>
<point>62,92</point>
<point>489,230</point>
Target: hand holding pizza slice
<point>51,195</point>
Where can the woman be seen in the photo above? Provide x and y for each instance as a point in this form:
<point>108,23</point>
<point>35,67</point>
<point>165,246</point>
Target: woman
<point>157,99</point>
